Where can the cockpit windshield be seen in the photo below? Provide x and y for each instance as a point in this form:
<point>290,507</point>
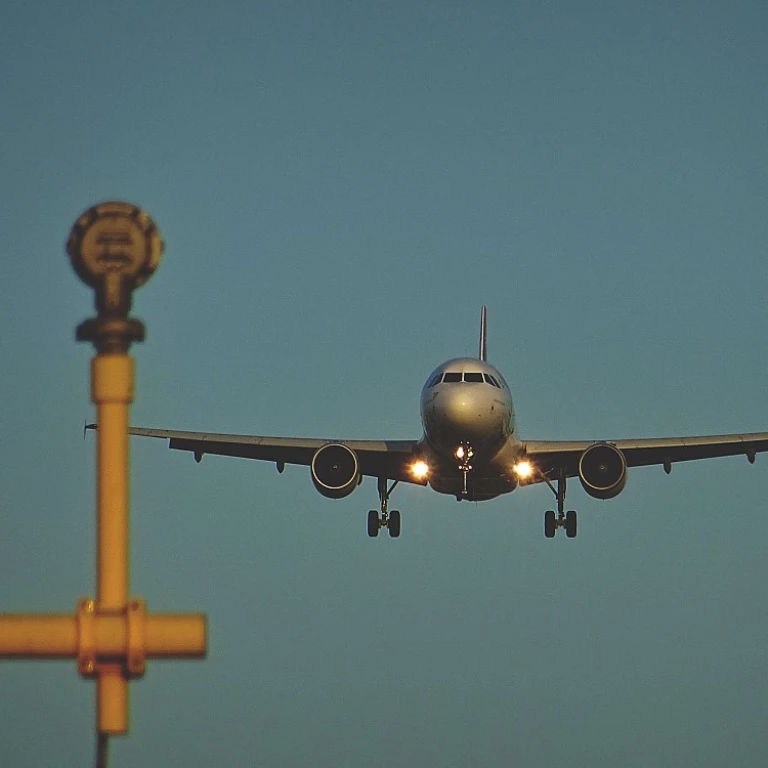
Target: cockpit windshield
<point>470,377</point>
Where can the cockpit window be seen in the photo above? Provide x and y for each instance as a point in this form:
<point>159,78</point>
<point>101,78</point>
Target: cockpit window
<point>453,377</point>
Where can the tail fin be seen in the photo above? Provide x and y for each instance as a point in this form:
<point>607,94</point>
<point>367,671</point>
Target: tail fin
<point>483,337</point>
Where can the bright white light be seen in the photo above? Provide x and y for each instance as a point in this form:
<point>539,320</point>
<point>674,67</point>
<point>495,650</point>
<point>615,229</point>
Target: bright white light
<point>523,469</point>
<point>420,469</point>
<point>460,452</point>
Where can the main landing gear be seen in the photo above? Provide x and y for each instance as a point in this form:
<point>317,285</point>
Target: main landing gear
<point>385,519</point>
<point>563,519</point>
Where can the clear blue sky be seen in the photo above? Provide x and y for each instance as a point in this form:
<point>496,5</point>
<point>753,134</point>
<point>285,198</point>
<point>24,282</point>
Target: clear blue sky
<point>340,187</point>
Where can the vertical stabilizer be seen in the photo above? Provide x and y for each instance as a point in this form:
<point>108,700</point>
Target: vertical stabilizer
<point>483,336</point>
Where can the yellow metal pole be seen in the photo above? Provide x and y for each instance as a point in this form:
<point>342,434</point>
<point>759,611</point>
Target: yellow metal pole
<point>112,392</point>
<point>114,248</point>
<point>112,385</point>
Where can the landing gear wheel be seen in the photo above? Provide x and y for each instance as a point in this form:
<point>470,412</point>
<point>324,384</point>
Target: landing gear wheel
<point>570,524</point>
<point>394,524</point>
<point>550,525</point>
<point>563,519</point>
<point>373,523</point>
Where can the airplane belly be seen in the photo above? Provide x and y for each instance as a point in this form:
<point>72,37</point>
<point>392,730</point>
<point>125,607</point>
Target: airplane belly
<point>478,488</point>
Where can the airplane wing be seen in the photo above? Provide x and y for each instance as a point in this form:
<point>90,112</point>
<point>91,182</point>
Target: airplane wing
<point>390,459</point>
<point>551,456</point>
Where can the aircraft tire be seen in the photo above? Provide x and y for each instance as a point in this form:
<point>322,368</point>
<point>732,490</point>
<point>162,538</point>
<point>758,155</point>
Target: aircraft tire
<point>549,524</point>
<point>394,524</point>
<point>570,524</point>
<point>373,523</point>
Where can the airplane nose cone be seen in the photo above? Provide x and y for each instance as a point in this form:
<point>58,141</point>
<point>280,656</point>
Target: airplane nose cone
<point>467,413</point>
<point>460,408</point>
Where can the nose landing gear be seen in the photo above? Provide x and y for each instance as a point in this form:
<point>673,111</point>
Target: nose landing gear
<point>384,519</point>
<point>464,454</point>
<point>567,520</point>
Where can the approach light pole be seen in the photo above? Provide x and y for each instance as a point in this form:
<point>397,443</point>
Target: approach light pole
<point>114,247</point>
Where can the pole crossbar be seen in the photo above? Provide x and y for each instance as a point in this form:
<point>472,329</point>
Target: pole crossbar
<point>108,639</point>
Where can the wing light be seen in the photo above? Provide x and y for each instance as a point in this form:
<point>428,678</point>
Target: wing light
<point>420,469</point>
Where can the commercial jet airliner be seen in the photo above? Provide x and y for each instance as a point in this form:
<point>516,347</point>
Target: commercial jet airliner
<point>470,449</point>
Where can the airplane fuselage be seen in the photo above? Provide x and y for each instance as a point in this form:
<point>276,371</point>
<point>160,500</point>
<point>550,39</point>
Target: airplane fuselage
<point>469,421</point>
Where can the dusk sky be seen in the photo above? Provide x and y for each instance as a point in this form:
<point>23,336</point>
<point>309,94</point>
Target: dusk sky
<point>340,187</point>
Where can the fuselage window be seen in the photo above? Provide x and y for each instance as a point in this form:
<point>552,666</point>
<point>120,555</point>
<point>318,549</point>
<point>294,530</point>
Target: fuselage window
<point>491,380</point>
<point>475,378</point>
<point>451,378</point>
<point>435,380</point>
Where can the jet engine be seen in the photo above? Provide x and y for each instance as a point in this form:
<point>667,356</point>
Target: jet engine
<point>335,470</point>
<point>603,471</point>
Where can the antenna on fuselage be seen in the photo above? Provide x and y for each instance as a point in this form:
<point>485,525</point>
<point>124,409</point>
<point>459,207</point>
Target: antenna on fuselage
<point>483,338</point>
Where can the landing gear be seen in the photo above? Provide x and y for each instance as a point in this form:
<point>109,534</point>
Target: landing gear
<point>567,520</point>
<point>385,519</point>
<point>464,454</point>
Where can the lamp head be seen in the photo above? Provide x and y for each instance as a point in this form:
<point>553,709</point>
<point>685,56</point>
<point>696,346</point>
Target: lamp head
<point>114,247</point>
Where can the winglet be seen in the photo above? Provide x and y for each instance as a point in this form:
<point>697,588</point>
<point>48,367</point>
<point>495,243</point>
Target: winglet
<point>483,337</point>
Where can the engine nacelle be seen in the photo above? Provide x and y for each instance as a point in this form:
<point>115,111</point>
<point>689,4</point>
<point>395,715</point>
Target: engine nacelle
<point>603,471</point>
<point>335,470</point>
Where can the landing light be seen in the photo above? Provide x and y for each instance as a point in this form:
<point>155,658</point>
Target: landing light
<point>523,469</point>
<point>420,469</point>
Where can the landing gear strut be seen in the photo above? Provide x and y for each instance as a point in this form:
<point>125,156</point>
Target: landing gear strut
<point>565,520</point>
<point>384,519</point>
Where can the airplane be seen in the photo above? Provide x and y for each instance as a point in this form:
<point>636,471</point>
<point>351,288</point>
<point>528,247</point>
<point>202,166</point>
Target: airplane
<point>469,449</point>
